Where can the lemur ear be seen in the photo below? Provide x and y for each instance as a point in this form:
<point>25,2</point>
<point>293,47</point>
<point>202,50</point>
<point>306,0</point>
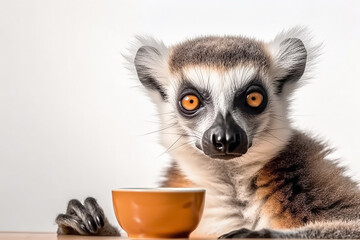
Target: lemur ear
<point>290,62</point>
<point>151,67</point>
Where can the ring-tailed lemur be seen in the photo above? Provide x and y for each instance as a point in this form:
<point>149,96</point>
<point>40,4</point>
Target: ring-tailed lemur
<point>224,113</point>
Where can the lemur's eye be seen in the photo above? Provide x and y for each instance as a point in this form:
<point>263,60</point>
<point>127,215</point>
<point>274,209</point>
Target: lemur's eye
<point>190,102</point>
<point>254,99</point>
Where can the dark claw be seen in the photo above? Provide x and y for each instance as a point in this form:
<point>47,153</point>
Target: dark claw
<point>83,227</point>
<point>92,225</point>
<point>100,220</point>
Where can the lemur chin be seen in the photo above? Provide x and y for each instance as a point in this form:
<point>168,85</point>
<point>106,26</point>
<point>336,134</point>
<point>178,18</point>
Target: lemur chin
<point>223,104</point>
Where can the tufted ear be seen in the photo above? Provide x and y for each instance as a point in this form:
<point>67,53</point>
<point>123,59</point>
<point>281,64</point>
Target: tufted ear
<point>151,66</point>
<point>291,61</point>
<point>292,53</point>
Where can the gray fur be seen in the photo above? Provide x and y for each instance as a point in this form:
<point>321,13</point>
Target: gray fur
<point>146,76</point>
<point>85,219</point>
<point>220,52</point>
<point>292,59</point>
<point>310,187</point>
<point>313,191</point>
<point>319,230</point>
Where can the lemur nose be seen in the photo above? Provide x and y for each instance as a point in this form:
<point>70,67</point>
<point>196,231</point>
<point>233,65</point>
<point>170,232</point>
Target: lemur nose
<point>218,142</point>
<point>225,143</point>
<point>225,137</point>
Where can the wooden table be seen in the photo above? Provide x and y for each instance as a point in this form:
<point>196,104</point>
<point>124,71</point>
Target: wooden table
<point>47,236</point>
<point>53,236</point>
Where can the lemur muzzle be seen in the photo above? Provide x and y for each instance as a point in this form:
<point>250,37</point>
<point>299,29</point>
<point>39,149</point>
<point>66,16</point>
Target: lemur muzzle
<point>225,137</point>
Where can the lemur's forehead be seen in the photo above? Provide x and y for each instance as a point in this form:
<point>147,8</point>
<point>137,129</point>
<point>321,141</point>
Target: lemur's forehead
<point>215,82</point>
<point>219,52</point>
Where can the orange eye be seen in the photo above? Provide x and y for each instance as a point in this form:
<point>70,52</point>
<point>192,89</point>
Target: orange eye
<point>190,102</point>
<point>254,99</point>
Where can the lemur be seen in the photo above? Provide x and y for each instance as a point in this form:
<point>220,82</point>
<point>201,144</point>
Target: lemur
<point>223,103</point>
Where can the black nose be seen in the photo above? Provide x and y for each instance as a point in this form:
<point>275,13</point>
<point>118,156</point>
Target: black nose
<point>225,137</point>
<point>224,142</point>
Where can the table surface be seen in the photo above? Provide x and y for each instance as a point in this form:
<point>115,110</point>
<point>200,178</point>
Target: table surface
<point>54,236</point>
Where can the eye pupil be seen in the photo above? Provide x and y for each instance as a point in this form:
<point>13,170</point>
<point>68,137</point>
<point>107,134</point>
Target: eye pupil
<point>191,101</point>
<point>253,98</point>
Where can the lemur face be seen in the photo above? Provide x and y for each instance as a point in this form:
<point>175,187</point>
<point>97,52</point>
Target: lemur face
<point>225,109</point>
<point>226,95</point>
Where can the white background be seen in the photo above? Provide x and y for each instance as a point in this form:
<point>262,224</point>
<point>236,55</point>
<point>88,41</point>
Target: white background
<point>71,116</point>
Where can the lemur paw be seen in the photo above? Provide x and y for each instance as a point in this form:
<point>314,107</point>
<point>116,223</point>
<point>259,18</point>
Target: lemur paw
<point>85,219</point>
<point>246,233</point>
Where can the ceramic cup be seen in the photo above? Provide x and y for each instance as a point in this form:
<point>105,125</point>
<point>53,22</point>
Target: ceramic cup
<point>158,212</point>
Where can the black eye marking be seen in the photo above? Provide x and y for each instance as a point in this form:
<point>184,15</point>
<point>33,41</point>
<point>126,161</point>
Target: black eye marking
<point>252,100</point>
<point>192,100</point>
<point>189,102</point>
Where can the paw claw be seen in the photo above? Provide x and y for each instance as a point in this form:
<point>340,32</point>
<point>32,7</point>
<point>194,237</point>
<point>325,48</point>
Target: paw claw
<point>100,221</point>
<point>83,227</point>
<point>92,224</point>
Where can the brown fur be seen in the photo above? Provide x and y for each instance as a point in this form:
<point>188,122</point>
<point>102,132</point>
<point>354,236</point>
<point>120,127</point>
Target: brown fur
<point>218,52</point>
<point>174,178</point>
<point>300,186</point>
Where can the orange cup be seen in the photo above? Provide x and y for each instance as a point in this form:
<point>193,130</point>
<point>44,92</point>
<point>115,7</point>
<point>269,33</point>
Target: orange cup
<point>158,212</point>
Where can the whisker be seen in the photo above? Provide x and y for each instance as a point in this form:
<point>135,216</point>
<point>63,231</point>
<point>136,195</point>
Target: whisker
<point>160,122</point>
<point>159,130</point>
<point>182,145</point>
<point>157,114</point>
<point>184,135</point>
<point>170,147</point>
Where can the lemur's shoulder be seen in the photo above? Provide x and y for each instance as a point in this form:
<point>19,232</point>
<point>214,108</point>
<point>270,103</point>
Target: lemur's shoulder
<point>301,185</point>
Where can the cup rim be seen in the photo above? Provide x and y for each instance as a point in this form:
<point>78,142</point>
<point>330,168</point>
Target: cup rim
<point>170,190</point>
